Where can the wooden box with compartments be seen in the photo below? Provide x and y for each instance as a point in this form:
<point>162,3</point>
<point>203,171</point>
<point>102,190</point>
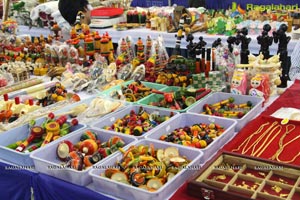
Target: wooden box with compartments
<point>237,177</point>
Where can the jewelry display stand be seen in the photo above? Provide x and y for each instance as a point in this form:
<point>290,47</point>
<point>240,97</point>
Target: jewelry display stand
<point>269,138</point>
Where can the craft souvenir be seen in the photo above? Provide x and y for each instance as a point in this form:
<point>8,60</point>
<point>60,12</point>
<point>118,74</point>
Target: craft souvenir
<point>239,82</point>
<point>110,72</point>
<point>97,108</point>
<point>282,39</point>
<point>125,72</point>
<point>19,70</point>
<point>224,62</point>
<point>199,135</point>
<point>167,160</point>
<point>148,47</point>
<point>139,73</point>
<point>57,32</point>
<point>236,55</point>
<point>162,51</point>
<point>179,99</point>
<point>130,45</point>
<point>73,55</point>
<point>242,38</point>
<point>140,50</point>
<point>269,67</point>
<point>259,86</point>
<point>81,55</point>
<point>89,45</point>
<point>63,54</point>
<point>265,41</point>
<point>51,129</point>
<point>86,152</point>
<point>97,42</point>
<point>54,54</point>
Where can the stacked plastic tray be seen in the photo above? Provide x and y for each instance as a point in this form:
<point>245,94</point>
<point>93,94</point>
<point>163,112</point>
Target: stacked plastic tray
<point>189,119</point>
<point>89,120</point>
<point>154,98</point>
<point>109,120</point>
<point>125,191</point>
<point>238,99</point>
<point>46,161</point>
<point>117,88</point>
<point>18,134</point>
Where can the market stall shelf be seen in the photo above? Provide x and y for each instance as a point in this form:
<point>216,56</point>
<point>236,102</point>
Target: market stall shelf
<point>49,163</point>
<point>209,141</point>
<point>18,135</point>
<point>126,191</point>
<point>218,97</point>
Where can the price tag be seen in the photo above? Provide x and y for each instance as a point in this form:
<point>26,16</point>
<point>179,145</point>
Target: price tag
<point>168,128</point>
<point>112,119</point>
<point>212,120</point>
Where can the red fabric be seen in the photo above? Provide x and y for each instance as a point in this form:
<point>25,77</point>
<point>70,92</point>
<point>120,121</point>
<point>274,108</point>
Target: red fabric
<point>106,12</point>
<point>289,152</point>
<point>290,98</point>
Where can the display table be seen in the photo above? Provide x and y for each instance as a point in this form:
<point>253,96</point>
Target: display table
<point>23,184</point>
<point>33,32</point>
<point>169,38</point>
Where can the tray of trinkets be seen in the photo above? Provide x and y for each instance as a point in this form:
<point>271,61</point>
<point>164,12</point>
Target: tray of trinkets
<point>237,177</point>
<point>241,108</point>
<point>17,144</point>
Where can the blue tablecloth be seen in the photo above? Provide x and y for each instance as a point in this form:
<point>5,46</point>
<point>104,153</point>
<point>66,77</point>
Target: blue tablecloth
<point>49,188</point>
<point>16,184</point>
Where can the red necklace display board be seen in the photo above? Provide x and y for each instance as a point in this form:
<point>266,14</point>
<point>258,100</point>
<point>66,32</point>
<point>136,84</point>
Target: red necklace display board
<point>267,137</point>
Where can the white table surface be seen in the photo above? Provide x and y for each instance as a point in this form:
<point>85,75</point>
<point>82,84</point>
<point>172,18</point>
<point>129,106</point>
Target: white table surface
<point>169,38</point>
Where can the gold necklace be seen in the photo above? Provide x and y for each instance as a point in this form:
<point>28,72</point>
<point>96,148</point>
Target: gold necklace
<point>259,151</point>
<point>244,151</point>
<point>287,131</point>
<point>250,137</point>
<point>280,143</point>
<point>288,161</point>
<point>253,145</point>
<point>282,146</point>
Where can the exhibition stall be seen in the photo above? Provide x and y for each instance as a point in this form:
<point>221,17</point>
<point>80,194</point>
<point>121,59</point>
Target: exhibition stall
<point>150,100</point>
